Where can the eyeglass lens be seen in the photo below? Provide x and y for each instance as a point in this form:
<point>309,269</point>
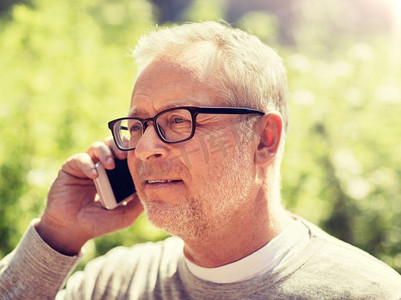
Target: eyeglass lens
<point>172,126</point>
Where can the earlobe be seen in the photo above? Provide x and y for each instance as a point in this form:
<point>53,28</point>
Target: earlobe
<point>270,132</point>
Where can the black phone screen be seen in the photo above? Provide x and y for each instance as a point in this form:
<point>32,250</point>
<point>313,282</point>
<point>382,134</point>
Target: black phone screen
<point>121,180</point>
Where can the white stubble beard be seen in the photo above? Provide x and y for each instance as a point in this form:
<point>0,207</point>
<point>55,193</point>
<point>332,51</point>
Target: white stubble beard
<point>222,194</point>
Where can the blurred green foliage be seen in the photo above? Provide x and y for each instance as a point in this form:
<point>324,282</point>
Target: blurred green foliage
<point>65,71</point>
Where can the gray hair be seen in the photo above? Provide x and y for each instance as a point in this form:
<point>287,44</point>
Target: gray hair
<point>248,73</point>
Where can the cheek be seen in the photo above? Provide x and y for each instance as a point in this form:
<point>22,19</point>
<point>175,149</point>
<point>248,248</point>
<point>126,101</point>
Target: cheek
<point>207,150</point>
<point>213,167</point>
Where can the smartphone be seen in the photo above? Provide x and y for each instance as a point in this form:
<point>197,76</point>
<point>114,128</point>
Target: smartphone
<point>114,187</point>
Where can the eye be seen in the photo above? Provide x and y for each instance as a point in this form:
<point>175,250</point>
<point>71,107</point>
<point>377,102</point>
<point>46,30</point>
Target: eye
<point>177,120</point>
<point>135,127</point>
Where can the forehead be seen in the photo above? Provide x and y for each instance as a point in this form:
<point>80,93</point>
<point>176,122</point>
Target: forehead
<point>165,84</point>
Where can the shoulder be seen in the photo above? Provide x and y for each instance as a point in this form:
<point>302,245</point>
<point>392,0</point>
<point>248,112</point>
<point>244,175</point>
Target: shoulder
<point>122,268</point>
<point>343,254</point>
<point>342,269</point>
<point>149,255</point>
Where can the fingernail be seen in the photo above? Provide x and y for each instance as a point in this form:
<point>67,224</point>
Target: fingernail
<point>110,161</point>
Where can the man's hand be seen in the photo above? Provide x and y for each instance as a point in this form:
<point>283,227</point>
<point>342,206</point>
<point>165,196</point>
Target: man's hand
<point>72,215</point>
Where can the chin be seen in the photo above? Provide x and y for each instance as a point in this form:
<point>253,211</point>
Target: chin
<point>178,221</point>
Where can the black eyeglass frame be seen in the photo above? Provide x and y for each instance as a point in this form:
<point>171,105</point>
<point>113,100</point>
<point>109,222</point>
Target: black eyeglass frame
<point>194,111</point>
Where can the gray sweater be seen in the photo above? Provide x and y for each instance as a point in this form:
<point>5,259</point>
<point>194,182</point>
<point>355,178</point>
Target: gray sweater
<point>326,269</point>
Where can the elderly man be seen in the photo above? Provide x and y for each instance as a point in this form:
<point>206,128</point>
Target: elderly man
<point>204,140</point>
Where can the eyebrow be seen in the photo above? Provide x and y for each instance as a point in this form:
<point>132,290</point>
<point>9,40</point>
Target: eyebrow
<point>135,112</point>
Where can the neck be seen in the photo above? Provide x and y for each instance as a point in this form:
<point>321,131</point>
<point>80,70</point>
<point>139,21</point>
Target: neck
<point>249,230</point>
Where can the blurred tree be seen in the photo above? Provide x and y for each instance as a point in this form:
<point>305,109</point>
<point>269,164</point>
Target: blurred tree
<point>6,5</point>
<point>341,154</point>
<point>201,10</point>
<point>170,10</point>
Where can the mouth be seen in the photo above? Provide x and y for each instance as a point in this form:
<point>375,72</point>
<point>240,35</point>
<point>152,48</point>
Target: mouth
<point>161,181</point>
<point>161,184</point>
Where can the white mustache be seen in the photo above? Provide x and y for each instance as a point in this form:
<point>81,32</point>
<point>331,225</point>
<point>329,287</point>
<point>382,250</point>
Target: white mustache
<point>160,169</point>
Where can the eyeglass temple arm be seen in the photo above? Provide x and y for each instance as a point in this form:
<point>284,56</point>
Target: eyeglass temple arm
<point>229,110</point>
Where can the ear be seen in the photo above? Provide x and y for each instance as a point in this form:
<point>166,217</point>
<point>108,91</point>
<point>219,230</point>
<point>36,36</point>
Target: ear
<point>270,130</point>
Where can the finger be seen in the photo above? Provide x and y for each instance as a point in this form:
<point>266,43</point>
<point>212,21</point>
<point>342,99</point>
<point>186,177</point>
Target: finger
<point>109,141</point>
<point>101,152</point>
<point>81,166</point>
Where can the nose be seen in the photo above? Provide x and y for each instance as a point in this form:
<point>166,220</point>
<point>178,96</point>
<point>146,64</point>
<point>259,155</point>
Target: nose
<point>149,145</point>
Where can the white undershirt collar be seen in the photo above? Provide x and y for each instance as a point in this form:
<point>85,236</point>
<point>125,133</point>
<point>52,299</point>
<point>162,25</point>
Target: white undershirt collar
<point>289,242</point>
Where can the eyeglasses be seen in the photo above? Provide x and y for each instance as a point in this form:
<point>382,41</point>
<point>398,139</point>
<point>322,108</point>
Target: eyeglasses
<point>173,125</point>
